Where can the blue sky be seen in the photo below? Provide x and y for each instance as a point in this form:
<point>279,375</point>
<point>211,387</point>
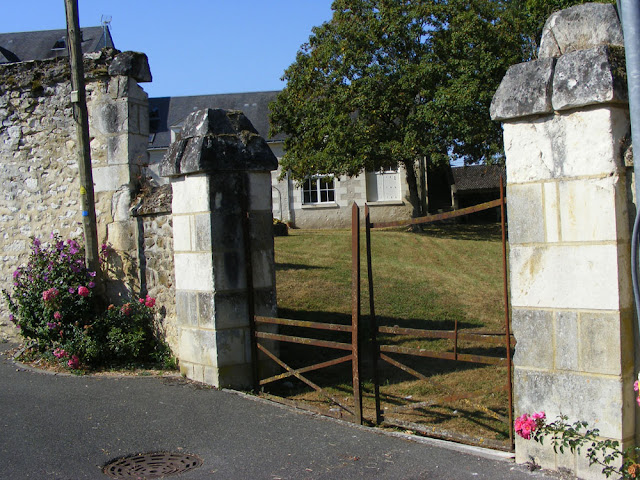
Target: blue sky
<point>195,46</point>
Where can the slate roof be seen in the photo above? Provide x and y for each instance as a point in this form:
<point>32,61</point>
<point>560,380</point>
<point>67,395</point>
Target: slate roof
<point>478,177</point>
<point>165,112</point>
<point>40,45</point>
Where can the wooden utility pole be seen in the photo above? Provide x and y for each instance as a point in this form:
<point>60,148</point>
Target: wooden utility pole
<point>81,116</point>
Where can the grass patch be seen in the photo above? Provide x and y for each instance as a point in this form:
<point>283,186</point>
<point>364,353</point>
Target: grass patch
<point>430,280</point>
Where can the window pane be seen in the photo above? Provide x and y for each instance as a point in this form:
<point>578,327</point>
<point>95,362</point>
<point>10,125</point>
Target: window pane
<point>331,197</point>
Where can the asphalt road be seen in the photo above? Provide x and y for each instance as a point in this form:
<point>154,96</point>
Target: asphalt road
<point>68,427</point>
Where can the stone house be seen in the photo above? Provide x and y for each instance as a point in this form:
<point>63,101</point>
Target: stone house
<point>320,202</point>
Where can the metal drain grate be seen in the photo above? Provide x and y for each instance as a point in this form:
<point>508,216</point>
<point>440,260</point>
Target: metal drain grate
<point>151,465</point>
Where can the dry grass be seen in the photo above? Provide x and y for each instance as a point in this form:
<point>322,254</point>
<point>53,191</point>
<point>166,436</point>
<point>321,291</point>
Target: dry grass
<point>429,280</point>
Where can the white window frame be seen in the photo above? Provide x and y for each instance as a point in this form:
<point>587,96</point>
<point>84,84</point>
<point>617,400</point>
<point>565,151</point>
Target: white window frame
<point>320,187</point>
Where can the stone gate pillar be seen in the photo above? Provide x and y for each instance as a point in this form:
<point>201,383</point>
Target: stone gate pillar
<point>219,169</point>
<point>565,118</point>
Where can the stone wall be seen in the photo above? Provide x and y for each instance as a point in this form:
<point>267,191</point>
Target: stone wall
<point>152,211</point>
<point>39,178</point>
<point>566,122</point>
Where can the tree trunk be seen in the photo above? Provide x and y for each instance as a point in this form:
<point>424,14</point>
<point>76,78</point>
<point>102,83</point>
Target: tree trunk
<point>414,195</point>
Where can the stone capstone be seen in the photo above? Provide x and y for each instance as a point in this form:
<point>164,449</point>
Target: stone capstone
<point>524,90</point>
<point>587,71</point>
<point>217,140</point>
<point>589,77</point>
<point>131,64</point>
<point>580,28</point>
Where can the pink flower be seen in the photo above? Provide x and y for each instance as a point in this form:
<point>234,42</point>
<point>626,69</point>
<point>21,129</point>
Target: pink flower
<point>635,386</point>
<point>59,353</point>
<point>74,362</point>
<point>149,301</point>
<point>126,309</point>
<point>50,294</point>
<point>525,424</point>
<point>83,291</point>
<point>57,315</point>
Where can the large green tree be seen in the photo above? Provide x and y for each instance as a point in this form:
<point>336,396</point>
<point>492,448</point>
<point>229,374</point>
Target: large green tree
<point>387,82</point>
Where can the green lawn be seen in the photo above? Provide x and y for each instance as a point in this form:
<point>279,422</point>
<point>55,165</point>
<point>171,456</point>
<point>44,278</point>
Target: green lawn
<point>423,280</point>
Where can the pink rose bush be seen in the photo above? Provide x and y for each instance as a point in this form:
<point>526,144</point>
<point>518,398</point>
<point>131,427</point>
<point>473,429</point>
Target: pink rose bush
<point>54,306</point>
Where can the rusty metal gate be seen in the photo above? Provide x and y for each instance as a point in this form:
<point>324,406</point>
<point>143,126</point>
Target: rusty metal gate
<point>378,351</point>
<point>354,412</point>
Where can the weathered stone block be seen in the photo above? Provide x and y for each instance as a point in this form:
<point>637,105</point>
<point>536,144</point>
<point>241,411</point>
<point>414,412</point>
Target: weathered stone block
<point>597,398</point>
<point>233,346</point>
<point>229,270</point>
<point>206,310</point>
<point>227,231</point>
<point>263,268</point>
<point>531,451</point>
<point>182,233</point>
<point>194,271</point>
<point>186,308</point>
<point>566,340</point>
<point>579,143</point>
<point>525,213</point>
<point>525,90</point>
<point>589,77</point>
<point>580,28</point>
<point>190,194</point>
<point>589,209</point>
<point>131,64</point>
<point>533,330</point>
<point>565,276</point>
<point>202,234</point>
<point>198,346</point>
<point>599,343</point>
<point>110,178</point>
<point>120,205</point>
<point>122,236</point>
<point>259,191</point>
<point>231,310</point>
<point>109,118</point>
